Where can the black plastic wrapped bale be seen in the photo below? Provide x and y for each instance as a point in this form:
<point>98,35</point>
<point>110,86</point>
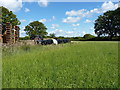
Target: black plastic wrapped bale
<point>46,42</point>
<point>65,40</point>
<point>60,41</point>
<point>50,41</point>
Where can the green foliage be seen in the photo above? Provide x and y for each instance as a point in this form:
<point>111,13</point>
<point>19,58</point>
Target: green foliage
<point>35,28</point>
<point>108,24</point>
<point>76,38</point>
<point>25,38</point>
<point>104,39</point>
<point>72,65</point>
<point>88,36</point>
<point>61,37</point>
<point>8,16</point>
<point>52,35</point>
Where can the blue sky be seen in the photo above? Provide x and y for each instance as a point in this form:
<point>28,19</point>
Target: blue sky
<point>69,19</point>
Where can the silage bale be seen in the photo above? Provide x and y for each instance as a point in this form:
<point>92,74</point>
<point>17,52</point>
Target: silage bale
<point>55,41</point>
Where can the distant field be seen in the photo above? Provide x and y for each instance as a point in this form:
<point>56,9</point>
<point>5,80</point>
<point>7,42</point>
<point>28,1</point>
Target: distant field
<point>72,65</point>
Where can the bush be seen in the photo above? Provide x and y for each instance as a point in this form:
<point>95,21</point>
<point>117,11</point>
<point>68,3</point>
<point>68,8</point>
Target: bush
<point>88,36</point>
<point>104,39</point>
<point>25,38</point>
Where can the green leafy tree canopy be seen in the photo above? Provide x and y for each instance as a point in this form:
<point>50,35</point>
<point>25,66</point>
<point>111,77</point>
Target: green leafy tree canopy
<point>52,35</point>
<point>35,28</point>
<point>108,24</point>
<point>88,36</point>
<point>7,16</point>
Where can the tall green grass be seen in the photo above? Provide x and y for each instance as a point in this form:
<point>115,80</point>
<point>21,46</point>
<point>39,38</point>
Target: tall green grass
<point>72,65</point>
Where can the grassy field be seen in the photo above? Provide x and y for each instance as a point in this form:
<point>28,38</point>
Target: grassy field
<point>72,65</point>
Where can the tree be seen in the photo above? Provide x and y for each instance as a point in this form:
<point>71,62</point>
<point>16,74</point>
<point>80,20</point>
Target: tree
<point>52,35</point>
<point>108,24</point>
<point>88,36</point>
<point>7,16</point>
<point>35,28</point>
<point>25,38</point>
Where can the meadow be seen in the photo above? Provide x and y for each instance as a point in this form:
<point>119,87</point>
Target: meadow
<point>72,65</point>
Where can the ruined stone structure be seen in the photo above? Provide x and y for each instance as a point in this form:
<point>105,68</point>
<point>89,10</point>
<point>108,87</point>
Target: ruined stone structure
<point>11,34</point>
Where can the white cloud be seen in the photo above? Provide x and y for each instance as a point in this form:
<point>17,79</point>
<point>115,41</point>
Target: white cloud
<point>83,32</point>
<point>27,10</point>
<point>83,12</point>
<point>95,10</point>
<point>75,13</point>
<point>47,20</point>
<point>42,20</point>
<point>23,20</point>
<point>13,5</point>
<point>75,16</point>
<point>16,5</point>
<point>22,32</point>
<point>88,21</point>
<point>23,27</point>
<point>109,6</point>
<point>71,19</point>
<point>43,3</point>
<point>93,33</point>
<point>54,26</point>
<point>60,32</point>
<point>75,25</point>
<point>29,0</point>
